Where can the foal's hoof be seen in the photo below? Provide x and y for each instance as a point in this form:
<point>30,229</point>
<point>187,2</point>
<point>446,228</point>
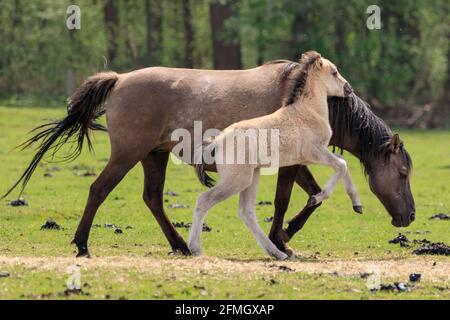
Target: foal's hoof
<point>280,256</point>
<point>312,202</point>
<point>358,209</point>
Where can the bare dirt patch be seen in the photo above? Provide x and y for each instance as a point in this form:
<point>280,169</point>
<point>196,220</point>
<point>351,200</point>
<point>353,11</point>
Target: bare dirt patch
<point>426,266</point>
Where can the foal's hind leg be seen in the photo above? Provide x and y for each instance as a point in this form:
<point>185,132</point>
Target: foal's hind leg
<point>113,173</point>
<point>155,165</point>
<point>232,180</point>
<point>247,213</point>
<point>325,157</point>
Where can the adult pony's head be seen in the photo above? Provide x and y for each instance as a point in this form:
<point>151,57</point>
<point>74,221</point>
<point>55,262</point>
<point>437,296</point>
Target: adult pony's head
<point>325,72</point>
<point>386,162</point>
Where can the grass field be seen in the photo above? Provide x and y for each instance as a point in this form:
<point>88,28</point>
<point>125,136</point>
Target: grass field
<point>334,249</point>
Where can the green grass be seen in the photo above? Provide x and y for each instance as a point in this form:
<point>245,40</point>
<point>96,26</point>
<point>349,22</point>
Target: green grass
<point>334,230</point>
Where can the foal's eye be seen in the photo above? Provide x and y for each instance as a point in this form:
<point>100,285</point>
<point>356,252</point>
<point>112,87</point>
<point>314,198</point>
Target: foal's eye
<point>334,73</point>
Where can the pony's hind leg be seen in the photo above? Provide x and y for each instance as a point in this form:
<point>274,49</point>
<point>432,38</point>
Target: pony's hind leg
<point>247,213</point>
<point>351,190</point>
<point>113,173</point>
<point>233,179</point>
<point>325,157</point>
<point>155,165</point>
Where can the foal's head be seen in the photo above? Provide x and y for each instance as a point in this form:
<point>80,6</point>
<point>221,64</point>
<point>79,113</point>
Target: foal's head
<point>327,74</point>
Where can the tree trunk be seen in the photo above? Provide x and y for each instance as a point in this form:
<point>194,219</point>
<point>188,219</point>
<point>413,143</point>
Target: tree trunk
<point>159,24</point>
<point>149,23</point>
<point>341,35</point>
<point>299,29</point>
<point>188,35</point>
<point>226,45</point>
<point>111,16</point>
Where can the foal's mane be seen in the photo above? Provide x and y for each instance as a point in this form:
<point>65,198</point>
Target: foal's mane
<point>307,60</point>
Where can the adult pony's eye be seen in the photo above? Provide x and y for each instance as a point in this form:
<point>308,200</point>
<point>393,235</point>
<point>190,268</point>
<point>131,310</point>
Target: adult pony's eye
<point>403,172</point>
<point>334,73</point>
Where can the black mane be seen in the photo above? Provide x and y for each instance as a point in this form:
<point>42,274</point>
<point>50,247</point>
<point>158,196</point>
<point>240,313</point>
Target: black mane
<point>352,116</point>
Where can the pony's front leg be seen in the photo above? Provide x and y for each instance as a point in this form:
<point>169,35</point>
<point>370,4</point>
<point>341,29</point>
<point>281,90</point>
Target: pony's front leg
<point>325,157</point>
<point>285,182</point>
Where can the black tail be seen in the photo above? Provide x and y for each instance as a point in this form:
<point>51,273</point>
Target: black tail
<point>83,108</point>
<point>200,168</point>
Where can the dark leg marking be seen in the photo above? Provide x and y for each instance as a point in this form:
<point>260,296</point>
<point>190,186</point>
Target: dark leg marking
<point>155,165</point>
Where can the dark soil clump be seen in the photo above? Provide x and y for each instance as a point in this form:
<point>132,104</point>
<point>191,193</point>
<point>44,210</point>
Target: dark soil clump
<point>50,224</point>
<point>437,248</point>
<point>184,225</point>
<point>440,216</point>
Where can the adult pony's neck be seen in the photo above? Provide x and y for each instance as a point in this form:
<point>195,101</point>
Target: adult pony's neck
<point>357,129</point>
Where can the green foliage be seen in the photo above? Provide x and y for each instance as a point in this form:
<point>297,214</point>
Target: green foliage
<point>404,64</point>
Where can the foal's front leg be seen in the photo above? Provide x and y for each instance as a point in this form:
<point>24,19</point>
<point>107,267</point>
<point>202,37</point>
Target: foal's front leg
<point>350,189</point>
<point>325,157</point>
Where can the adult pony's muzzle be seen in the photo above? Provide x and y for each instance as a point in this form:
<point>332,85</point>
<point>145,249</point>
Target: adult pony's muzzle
<point>348,90</point>
<point>401,222</point>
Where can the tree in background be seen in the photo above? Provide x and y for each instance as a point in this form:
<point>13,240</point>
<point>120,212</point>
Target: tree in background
<point>402,69</point>
<point>111,16</point>
<point>188,35</point>
<point>225,36</point>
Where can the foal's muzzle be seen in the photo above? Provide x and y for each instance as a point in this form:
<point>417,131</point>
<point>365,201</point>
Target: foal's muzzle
<point>348,90</point>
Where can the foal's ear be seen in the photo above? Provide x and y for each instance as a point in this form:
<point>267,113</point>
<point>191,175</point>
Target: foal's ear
<point>318,64</point>
<point>395,143</point>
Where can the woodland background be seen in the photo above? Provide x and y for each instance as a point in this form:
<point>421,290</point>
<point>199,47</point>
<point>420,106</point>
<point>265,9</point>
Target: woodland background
<point>403,70</point>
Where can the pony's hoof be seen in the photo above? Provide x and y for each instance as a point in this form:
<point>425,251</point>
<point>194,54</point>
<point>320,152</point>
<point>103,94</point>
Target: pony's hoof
<point>181,250</point>
<point>289,253</point>
<point>312,202</point>
<point>83,255</point>
<point>358,209</point>
<point>83,251</point>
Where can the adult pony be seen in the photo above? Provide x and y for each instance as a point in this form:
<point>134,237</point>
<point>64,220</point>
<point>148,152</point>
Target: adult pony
<point>144,107</point>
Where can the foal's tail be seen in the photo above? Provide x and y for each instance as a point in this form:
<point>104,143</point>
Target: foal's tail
<point>83,108</point>
<point>200,165</point>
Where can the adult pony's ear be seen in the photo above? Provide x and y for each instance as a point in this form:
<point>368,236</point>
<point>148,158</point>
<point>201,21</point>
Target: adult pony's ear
<point>395,143</point>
